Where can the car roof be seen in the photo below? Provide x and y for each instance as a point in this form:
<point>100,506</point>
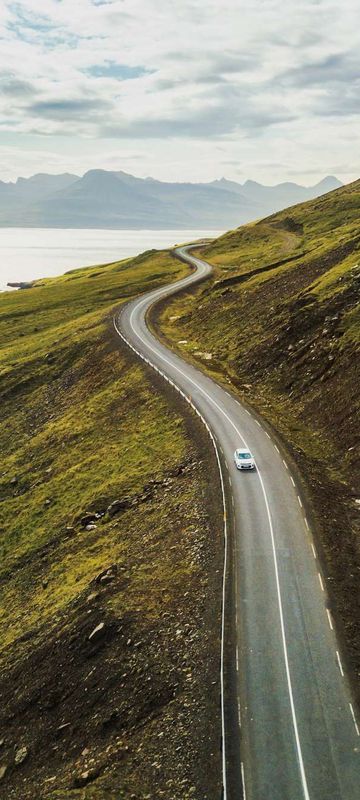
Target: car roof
<point>243,450</point>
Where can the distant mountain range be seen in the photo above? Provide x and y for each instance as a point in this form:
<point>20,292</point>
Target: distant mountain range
<point>101,199</point>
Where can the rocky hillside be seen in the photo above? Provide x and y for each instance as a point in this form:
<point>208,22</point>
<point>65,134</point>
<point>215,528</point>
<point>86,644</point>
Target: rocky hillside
<point>280,322</point>
<point>109,576</point>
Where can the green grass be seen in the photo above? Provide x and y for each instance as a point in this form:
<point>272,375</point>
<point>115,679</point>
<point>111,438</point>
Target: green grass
<point>79,429</point>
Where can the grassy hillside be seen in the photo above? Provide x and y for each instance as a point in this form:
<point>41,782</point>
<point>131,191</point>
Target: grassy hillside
<point>101,667</point>
<point>280,321</point>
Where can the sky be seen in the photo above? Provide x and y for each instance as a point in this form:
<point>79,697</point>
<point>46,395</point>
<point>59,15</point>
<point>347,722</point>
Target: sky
<point>181,89</point>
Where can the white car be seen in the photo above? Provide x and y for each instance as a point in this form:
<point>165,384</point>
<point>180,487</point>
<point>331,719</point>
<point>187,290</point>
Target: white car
<point>243,459</point>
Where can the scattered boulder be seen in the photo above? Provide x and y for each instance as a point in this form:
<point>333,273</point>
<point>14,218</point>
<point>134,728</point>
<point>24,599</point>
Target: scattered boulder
<point>21,755</point>
<point>108,578</point>
<point>92,596</point>
<point>85,777</point>
<point>90,527</point>
<point>88,519</point>
<point>3,770</point>
<point>107,574</point>
<point>119,505</point>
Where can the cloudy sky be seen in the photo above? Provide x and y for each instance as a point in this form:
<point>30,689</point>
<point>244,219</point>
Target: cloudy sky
<point>181,89</point>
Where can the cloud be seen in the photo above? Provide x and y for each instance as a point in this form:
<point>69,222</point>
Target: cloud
<point>189,75</point>
<point>68,109</point>
<point>15,87</point>
<point>121,72</point>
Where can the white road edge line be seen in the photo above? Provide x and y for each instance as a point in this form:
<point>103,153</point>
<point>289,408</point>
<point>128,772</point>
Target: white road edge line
<point>329,619</point>
<point>313,549</point>
<point>299,499</point>
<point>321,582</point>
<point>292,480</point>
<point>354,719</point>
<point>282,625</point>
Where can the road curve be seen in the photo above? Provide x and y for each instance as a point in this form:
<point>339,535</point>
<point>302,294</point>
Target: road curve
<point>289,730</point>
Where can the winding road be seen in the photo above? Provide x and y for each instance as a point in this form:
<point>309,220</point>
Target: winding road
<point>289,730</point>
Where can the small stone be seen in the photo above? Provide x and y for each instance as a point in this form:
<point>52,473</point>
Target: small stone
<point>21,755</point>
<point>98,632</point>
<point>119,505</point>
<point>92,596</point>
<point>112,570</point>
<point>108,578</point>
<point>86,777</point>
<point>90,527</point>
<point>3,770</point>
<point>13,481</point>
<point>87,519</point>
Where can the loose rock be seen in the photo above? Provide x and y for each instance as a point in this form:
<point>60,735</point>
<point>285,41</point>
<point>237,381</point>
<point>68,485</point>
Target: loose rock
<point>98,632</point>
<point>21,755</point>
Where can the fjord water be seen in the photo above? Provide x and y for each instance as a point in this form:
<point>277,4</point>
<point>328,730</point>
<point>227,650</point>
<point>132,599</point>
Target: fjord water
<point>30,253</point>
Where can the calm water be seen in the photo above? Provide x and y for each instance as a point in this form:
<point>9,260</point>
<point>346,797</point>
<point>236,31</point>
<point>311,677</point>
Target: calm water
<point>29,253</point>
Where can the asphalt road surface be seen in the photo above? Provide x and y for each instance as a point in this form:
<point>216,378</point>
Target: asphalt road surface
<point>289,730</point>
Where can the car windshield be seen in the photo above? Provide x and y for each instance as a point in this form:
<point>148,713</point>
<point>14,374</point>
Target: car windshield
<point>244,455</point>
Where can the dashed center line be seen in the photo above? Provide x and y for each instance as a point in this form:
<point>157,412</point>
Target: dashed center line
<point>243,780</point>
<point>292,480</point>
<point>313,549</point>
<point>340,664</point>
<point>329,619</point>
<point>300,503</point>
<point>321,581</point>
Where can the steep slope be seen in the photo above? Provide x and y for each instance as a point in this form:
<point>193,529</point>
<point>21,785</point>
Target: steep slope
<point>280,321</point>
<point>109,613</point>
